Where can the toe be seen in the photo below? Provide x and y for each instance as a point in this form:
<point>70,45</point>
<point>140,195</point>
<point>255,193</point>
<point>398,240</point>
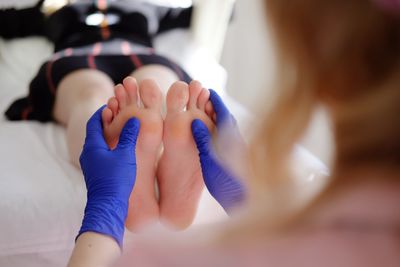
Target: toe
<point>203,98</point>
<point>210,111</point>
<point>209,108</point>
<point>121,96</point>
<point>106,117</point>
<point>113,106</point>
<point>194,92</point>
<point>150,94</point>
<point>130,85</point>
<point>177,97</point>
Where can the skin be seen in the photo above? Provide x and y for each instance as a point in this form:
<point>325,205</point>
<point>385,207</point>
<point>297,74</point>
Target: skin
<point>93,249</point>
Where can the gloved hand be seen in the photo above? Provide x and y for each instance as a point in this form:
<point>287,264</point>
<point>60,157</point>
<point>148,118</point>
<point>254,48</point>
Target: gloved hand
<point>227,189</point>
<point>109,176</point>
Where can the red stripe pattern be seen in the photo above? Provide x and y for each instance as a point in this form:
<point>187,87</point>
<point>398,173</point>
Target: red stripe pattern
<point>26,112</point>
<point>91,58</point>
<point>49,70</point>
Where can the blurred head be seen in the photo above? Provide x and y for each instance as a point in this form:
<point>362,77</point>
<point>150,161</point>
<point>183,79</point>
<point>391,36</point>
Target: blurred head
<point>345,55</point>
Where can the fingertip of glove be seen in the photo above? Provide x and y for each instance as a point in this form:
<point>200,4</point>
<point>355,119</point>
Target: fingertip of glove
<point>94,127</point>
<point>133,123</point>
<point>197,125</point>
<point>214,96</point>
<point>200,131</point>
<point>101,109</point>
<point>132,127</point>
<point>129,133</point>
<point>97,115</point>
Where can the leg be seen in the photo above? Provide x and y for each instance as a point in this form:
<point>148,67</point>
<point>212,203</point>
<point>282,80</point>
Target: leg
<point>143,204</point>
<point>78,96</point>
<point>179,174</point>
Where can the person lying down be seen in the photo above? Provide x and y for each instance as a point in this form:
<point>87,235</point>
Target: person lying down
<point>113,62</point>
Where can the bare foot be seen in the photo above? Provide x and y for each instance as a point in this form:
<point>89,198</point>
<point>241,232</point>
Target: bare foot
<point>179,175</point>
<point>143,204</point>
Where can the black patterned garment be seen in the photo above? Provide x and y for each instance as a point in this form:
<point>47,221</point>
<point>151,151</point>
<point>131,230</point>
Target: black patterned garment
<point>114,37</point>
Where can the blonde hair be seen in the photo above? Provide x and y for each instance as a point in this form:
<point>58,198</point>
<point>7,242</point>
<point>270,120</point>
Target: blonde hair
<point>345,55</point>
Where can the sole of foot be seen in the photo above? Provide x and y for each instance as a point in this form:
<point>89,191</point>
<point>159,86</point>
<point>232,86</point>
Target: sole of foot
<point>179,174</point>
<point>143,102</point>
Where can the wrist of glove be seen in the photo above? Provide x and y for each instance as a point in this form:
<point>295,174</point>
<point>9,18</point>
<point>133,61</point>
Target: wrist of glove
<point>105,216</point>
<point>109,176</point>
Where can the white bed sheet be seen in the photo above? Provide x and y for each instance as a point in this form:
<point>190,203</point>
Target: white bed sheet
<point>42,195</point>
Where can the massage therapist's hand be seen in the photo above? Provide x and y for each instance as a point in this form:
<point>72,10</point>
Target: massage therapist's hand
<point>109,176</point>
<point>221,182</point>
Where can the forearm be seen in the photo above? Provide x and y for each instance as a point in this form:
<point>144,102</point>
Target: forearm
<point>109,176</point>
<point>93,249</point>
<point>99,241</point>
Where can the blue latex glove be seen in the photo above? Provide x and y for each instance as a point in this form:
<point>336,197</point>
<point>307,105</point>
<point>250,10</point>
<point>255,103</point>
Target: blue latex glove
<point>109,176</point>
<point>221,183</point>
